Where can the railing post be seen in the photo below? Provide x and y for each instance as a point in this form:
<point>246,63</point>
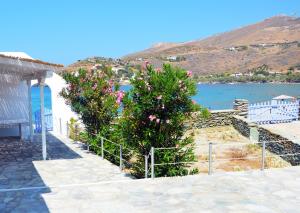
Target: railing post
<point>152,162</point>
<point>210,158</point>
<point>76,132</point>
<point>102,148</point>
<point>263,155</point>
<point>67,129</point>
<point>88,146</point>
<point>121,160</point>
<point>60,129</point>
<point>146,166</point>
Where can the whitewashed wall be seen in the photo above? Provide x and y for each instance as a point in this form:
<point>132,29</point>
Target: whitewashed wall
<point>62,113</point>
<point>13,104</point>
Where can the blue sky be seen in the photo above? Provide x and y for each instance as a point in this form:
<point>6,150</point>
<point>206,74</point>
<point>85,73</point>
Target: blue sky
<point>63,31</point>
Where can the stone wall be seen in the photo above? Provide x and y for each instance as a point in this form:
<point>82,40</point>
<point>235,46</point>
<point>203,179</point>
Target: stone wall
<point>217,118</point>
<point>242,125</point>
<point>280,145</point>
<point>241,105</point>
<point>274,143</point>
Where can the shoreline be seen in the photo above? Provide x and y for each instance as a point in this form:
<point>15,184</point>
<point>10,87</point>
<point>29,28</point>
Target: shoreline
<point>232,83</point>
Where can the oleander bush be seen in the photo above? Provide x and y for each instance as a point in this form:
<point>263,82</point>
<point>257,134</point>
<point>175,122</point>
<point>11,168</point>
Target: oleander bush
<point>153,116</point>
<point>95,96</point>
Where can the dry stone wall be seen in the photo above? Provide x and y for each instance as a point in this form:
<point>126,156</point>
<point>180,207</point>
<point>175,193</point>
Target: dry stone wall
<point>280,145</point>
<point>217,118</point>
<point>242,125</point>
<point>275,143</point>
<point>241,105</point>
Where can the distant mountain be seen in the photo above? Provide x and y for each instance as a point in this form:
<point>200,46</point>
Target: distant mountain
<point>274,42</point>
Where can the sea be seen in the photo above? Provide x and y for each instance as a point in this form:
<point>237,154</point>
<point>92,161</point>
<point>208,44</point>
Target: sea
<point>213,96</point>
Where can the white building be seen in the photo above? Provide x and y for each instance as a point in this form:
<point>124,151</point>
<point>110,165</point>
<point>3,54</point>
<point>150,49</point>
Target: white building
<point>18,72</point>
<point>172,58</point>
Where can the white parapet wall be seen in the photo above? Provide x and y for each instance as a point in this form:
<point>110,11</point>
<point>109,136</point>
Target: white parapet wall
<point>62,112</point>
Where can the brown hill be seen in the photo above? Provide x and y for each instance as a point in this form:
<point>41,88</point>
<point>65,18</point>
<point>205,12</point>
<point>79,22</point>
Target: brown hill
<point>274,42</point>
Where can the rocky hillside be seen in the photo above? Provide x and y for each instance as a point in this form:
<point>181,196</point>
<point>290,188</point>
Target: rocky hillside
<point>274,42</point>
<point>122,70</point>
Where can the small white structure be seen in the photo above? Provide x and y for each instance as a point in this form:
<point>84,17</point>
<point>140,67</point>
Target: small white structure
<point>17,70</point>
<point>172,58</point>
<point>280,109</point>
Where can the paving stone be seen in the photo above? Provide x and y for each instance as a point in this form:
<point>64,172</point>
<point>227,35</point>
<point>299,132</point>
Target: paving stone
<point>81,182</point>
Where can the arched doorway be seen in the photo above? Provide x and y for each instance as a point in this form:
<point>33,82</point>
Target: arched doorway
<point>36,104</point>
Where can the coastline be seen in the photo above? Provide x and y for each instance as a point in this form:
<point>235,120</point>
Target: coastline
<point>250,82</point>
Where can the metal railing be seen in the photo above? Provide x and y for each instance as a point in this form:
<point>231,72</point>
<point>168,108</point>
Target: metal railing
<point>120,157</point>
<point>103,150</point>
<point>149,167</point>
<point>211,159</point>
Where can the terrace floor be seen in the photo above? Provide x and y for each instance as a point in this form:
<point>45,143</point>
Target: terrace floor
<point>22,169</point>
<point>81,182</point>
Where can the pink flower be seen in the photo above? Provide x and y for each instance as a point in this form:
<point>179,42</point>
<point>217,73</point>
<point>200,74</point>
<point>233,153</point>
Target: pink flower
<point>189,73</point>
<point>193,101</point>
<point>158,70</point>
<point>107,90</point>
<point>152,117</point>
<point>157,120</point>
<point>146,64</point>
<point>159,97</point>
<point>95,86</point>
<point>120,96</point>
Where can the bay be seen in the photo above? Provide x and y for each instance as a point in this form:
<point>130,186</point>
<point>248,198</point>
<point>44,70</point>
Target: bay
<point>212,96</point>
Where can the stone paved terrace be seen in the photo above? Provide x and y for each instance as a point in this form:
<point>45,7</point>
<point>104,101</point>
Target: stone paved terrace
<point>21,166</point>
<point>290,131</point>
<point>275,190</point>
<point>82,182</point>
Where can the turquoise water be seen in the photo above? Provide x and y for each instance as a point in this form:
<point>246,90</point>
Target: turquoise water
<point>35,97</point>
<point>213,96</point>
<point>221,96</point>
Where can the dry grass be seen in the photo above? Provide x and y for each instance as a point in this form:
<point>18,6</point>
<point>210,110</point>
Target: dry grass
<point>237,152</point>
<point>222,134</point>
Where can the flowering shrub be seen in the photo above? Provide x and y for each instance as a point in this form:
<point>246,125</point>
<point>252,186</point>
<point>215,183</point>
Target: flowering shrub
<point>95,97</point>
<point>153,116</point>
